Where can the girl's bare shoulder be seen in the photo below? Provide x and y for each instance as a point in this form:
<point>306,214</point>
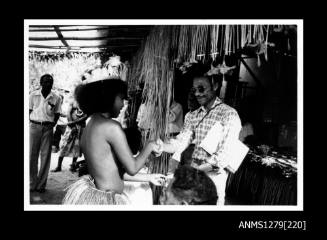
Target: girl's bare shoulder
<point>108,126</point>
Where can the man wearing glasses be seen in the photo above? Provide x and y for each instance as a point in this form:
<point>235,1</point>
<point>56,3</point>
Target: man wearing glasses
<point>212,114</point>
<point>44,109</point>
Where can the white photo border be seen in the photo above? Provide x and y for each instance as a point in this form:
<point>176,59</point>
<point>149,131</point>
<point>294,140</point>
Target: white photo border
<point>35,207</point>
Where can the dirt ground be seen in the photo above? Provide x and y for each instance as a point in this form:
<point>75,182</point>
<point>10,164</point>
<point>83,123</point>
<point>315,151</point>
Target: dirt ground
<point>139,192</point>
<point>57,182</point>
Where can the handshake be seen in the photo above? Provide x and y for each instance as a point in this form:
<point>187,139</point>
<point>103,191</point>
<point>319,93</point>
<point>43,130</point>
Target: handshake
<point>157,147</point>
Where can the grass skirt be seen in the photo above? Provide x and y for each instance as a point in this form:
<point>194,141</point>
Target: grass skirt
<point>84,191</point>
<point>70,142</point>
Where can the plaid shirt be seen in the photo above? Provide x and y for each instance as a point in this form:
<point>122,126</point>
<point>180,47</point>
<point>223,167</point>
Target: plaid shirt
<point>231,126</point>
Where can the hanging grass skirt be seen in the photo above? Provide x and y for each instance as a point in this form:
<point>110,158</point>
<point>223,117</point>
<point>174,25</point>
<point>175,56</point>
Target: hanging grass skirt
<point>84,191</point>
<point>70,142</point>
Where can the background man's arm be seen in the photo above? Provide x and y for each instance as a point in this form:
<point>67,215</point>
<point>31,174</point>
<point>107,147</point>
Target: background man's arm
<point>57,111</point>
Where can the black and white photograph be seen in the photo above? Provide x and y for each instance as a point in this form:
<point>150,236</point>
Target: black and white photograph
<point>157,115</point>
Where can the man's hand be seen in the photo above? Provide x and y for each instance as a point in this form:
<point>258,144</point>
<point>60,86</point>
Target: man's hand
<point>157,179</point>
<point>157,147</point>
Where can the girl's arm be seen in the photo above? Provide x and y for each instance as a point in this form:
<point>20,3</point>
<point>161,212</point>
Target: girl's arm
<point>69,112</point>
<point>117,139</point>
<point>78,120</point>
<point>156,178</point>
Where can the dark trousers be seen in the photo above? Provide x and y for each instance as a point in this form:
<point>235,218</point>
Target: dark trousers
<point>40,146</point>
<point>60,130</point>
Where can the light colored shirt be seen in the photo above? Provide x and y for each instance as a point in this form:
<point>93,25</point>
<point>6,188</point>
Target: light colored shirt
<point>42,110</point>
<point>175,118</point>
<point>230,129</point>
<point>62,121</point>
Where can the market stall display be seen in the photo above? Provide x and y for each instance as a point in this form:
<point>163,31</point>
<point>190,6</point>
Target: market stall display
<point>264,179</point>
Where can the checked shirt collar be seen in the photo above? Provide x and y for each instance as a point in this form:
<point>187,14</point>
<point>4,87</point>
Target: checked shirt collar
<point>203,110</point>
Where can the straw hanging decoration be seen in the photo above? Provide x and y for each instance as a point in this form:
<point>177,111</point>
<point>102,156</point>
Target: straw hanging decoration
<point>231,50</point>
<point>133,80</point>
<point>204,33</point>
<point>256,33</point>
<point>257,41</point>
<point>193,42</point>
<point>175,36</point>
<point>183,43</point>
<point>157,73</point>
<point>250,34</point>
<point>227,34</point>
<point>237,37</point>
<point>214,41</point>
<point>243,35</point>
<point>222,39</point>
<point>267,34</point>
<point>199,35</point>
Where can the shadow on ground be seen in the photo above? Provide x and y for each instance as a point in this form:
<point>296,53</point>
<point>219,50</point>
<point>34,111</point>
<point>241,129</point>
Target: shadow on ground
<point>55,192</point>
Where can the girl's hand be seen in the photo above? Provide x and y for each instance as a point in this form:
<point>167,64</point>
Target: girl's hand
<point>157,179</point>
<point>156,148</point>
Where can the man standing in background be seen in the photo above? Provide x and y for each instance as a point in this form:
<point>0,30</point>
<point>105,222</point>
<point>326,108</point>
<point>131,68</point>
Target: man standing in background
<point>44,109</point>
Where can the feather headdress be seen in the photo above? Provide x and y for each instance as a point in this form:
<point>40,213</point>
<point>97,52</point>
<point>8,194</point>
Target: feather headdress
<point>109,70</point>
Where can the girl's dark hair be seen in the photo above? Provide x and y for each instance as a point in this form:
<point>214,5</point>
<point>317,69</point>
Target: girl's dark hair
<point>99,96</point>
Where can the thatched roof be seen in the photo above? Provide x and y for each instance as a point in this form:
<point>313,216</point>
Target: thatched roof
<point>118,39</point>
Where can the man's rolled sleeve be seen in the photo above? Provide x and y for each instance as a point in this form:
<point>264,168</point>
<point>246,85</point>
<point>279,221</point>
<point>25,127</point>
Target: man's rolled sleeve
<point>183,138</point>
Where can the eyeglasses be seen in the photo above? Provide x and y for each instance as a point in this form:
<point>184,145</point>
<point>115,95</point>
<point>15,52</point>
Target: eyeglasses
<point>200,89</point>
